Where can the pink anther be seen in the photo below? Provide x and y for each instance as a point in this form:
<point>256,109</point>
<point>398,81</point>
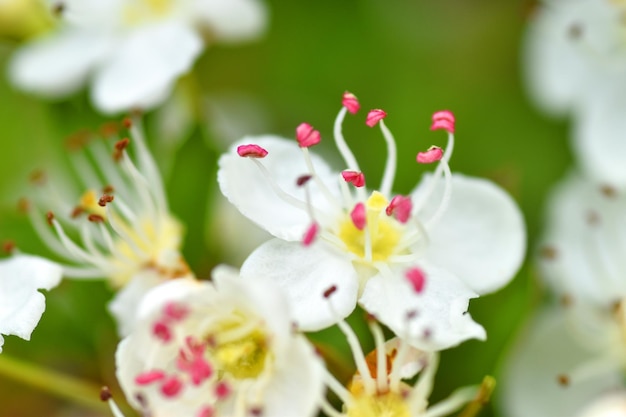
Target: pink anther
<point>433,154</point>
<point>416,278</point>
<point>375,116</point>
<point>353,177</point>
<point>307,136</point>
<point>206,411</point>
<point>359,216</point>
<point>251,151</point>
<point>175,312</point>
<point>350,102</point>
<point>161,330</point>
<point>171,386</point>
<point>310,234</point>
<point>222,390</point>
<point>400,207</point>
<point>149,377</point>
<point>443,120</point>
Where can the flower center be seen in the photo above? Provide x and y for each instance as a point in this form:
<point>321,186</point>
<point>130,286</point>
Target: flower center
<point>244,357</point>
<point>389,404</point>
<point>141,11</point>
<point>381,231</point>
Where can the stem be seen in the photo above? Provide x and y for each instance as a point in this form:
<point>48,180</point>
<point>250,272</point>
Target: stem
<point>482,398</point>
<point>63,386</point>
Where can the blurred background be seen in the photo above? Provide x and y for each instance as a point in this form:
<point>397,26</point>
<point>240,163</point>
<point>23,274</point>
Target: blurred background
<point>408,57</point>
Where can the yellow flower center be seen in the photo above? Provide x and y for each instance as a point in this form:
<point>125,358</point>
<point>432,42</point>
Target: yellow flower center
<point>141,11</point>
<point>389,404</point>
<point>382,230</point>
<point>245,357</point>
<point>89,203</point>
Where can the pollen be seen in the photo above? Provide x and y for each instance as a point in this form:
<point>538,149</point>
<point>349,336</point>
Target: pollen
<point>243,358</point>
<point>390,404</point>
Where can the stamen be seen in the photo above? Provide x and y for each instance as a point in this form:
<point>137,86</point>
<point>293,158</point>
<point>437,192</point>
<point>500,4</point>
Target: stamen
<point>350,102</point>
<point>307,136</point>
<point>105,395</point>
<point>359,216</point>
<point>8,247</point>
<point>433,154</point>
<point>310,234</point>
<point>392,156</point>
<point>340,142</point>
<point>381,356</point>
<point>222,390</point>
<point>328,409</point>
<point>251,151</point>
<point>443,119</point>
<point>451,404</point>
<point>424,385</point>
<point>320,184</point>
<point>443,205</point>
<point>375,116</point>
<point>161,330</point>
<point>148,377</point>
<point>355,178</point>
<point>416,278</point>
<point>288,198</point>
<point>401,207</point>
<point>335,386</point>
<point>172,386</point>
<point>206,411</point>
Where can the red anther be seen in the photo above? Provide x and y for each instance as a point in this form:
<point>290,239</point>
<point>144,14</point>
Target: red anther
<point>109,129</point>
<point>76,212</point>
<point>307,136</point>
<point>359,216</point>
<point>251,151</point>
<point>200,370</point>
<point>256,411</point>
<point>353,177</point>
<point>108,189</point>
<point>206,411</point>
<point>303,179</point>
<point>105,393</point>
<point>433,154</point>
<point>443,120</point>
<point>8,247</point>
<point>175,311</point>
<point>416,278</point>
<point>127,122</point>
<point>310,234</point>
<point>171,386</point>
<point>122,144</point>
<point>148,377</point>
<point>350,102</point>
<point>78,140</point>
<point>401,207</point>
<point>95,218</point>
<point>330,291</point>
<point>105,199</point>
<point>162,331</point>
<point>375,116</point>
<point>37,177</point>
<point>49,218</point>
<point>222,390</point>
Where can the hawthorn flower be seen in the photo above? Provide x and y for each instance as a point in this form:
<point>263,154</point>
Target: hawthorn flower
<point>21,304</point>
<point>380,387</point>
<point>575,62</point>
<point>120,229</point>
<point>225,348</point>
<point>576,352</point>
<point>132,51</point>
<point>424,254</point>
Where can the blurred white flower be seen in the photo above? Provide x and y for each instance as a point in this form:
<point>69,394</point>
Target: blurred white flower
<point>456,236</point>
<point>575,62</point>
<point>132,51</point>
<point>582,343</point>
<point>611,405</point>
<point>121,229</point>
<point>225,348</point>
<point>21,304</point>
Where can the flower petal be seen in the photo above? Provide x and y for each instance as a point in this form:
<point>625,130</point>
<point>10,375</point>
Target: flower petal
<point>304,274</point>
<point>21,305</point>
<point>245,186</point>
<point>144,69</point>
<point>58,64</point>
<point>434,319</point>
<point>481,237</point>
<point>547,350</point>
<point>233,20</point>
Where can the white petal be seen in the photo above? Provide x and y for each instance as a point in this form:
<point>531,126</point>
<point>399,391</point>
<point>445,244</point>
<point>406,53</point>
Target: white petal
<point>21,305</point>
<point>243,184</point>
<point>144,69</point>
<point>297,382</point>
<point>440,318</point>
<point>611,405</point>
<point>233,20</point>
<point>59,64</point>
<point>481,237</point>
<point>599,132</point>
<point>173,290</point>
<point>588,254</point>
<point>304,274</point>
<point>126,302</point>
<point>530,383</point>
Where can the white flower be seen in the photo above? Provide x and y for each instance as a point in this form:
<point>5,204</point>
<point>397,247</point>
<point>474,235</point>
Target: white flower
<point>380,388</point>
<point>225,348</point>
<point>575,59</point>
<point>458,236</point>
<point>121,229</point>
<point>21,305</point>
<point>133,51</point>
<point>611,405</point>
<point>583,342</point>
